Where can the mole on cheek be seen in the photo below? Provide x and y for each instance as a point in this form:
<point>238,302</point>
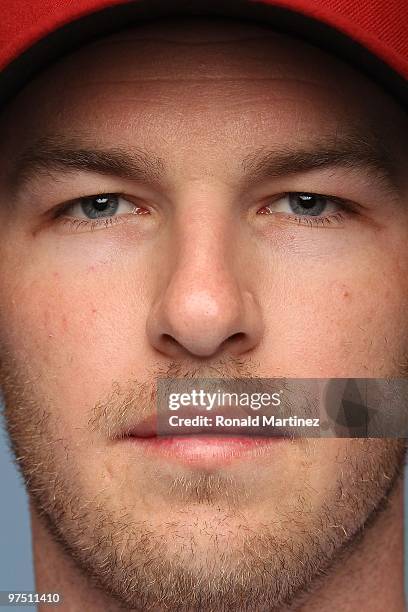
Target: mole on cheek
<point>340,291</point>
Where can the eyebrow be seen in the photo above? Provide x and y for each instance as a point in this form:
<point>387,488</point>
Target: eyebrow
<point>346,152</point>
<point>57,154</point>
<point>61,155</point>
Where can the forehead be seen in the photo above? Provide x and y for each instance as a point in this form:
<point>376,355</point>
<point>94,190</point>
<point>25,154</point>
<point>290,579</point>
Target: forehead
<point>204,79</point>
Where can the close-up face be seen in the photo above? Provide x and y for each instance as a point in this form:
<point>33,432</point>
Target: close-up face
<point>197,199</point>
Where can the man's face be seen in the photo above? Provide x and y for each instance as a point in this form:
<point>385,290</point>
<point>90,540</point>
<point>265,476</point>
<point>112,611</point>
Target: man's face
<point>205,259</point>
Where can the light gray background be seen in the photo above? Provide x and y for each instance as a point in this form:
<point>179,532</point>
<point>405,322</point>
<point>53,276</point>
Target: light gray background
<point>16,573</point>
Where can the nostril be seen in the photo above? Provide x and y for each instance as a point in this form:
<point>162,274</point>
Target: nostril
<point>169,340</point>
<point>204,347</point>
<point>237,338</point>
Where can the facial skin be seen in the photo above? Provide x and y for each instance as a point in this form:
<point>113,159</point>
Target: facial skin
<point>204,269</point>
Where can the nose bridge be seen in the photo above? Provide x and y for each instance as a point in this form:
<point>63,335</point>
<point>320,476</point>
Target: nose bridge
<point>202,303</point>
<point>203,284</point>
<point>204,254</point>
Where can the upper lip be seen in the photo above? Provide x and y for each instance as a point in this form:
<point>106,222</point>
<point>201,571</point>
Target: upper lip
<point>149,426</point>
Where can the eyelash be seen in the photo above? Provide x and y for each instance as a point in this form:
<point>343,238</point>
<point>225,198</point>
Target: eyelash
<point>91,224</point>
<point>315,221</point>
<point>306,220</point>
<point>337,218</point>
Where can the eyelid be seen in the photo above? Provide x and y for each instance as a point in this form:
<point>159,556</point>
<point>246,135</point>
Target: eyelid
<point>78,223</point>
<point>358,192</point>
<point>62,208</point>
<point>343,203</point>
<point>336,218</point>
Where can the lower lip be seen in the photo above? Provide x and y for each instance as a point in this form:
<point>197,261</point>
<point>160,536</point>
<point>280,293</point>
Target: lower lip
<point>205,450</point>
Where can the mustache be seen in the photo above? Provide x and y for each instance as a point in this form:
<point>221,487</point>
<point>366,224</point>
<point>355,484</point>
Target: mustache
<point>138,408</point>
<point>128,405</point>
<point>347,408</point>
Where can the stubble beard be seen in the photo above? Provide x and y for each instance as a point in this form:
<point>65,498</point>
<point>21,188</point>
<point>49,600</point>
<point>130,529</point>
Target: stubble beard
<point>243,566</point>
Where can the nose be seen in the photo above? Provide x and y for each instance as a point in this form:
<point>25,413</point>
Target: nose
<point>204,306</point>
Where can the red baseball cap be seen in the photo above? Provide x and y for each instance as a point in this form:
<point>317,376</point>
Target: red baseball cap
<point>370,34</point>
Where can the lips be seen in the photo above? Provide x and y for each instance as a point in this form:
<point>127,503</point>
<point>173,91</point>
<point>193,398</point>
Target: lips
<point>144,429</point>
<point>205,447</point>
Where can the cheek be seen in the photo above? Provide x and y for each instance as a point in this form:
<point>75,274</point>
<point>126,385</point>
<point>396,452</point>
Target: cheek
<point>344,322</point>
<point>75,333</point>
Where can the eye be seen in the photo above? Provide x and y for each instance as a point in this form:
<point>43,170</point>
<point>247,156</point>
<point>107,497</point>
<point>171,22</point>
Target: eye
<point>100,206</point>
<point>303,204</point>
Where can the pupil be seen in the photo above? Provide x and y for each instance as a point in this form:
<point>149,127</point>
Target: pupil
<point>104,205</point>
<point>101,203</point>
<point>307,201</point>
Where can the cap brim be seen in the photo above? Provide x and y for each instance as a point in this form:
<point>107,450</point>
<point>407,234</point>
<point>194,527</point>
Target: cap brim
<point>107,21</point>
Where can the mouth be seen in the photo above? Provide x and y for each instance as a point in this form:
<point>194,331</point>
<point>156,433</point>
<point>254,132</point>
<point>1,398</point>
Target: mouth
<point>204,450</point>
<point>201,447</point>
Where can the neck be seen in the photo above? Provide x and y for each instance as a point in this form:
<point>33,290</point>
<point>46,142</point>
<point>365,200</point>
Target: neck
<point>369,579</point>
